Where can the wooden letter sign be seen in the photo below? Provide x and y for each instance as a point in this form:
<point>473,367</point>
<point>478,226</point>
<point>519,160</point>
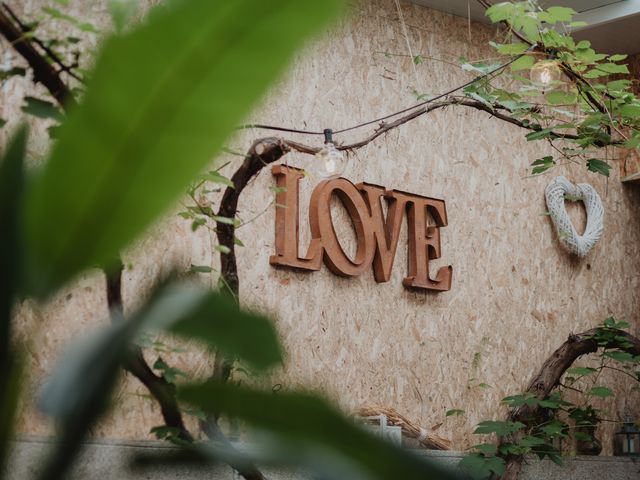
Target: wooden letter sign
<point>377,236</point>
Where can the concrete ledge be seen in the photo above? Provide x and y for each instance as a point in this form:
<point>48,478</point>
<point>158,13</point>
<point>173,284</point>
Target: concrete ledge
<point>109,460</point>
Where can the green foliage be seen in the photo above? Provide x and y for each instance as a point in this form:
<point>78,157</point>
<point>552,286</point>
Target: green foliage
<point>598,166</point>
<point>499,428</point>
<point>581,371</point>
<point>180,105</point>
<point>57,14</point>
<point>42,109</point>
<point>215,319</point>
<point>171,434</point>
<point>78,390</point>
<point>456,412</point>
<point>201,269</point>
<point>480,467</point>
<point>579,94</point>
<point>122,11</point>
<point>303,423</point>
<point>543,164</point>
<point>600,392</point>
<point>552,418</point>
<point>11,185</point>
<point>170,374</point>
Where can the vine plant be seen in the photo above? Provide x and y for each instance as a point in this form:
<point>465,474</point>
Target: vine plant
<point>542,417</point>
<point>589,106</point>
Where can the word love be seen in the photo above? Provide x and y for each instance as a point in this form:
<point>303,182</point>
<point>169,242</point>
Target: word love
<point>377,235</point>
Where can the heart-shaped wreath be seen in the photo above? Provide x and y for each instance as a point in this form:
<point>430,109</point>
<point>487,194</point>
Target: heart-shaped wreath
<point>561,189</point>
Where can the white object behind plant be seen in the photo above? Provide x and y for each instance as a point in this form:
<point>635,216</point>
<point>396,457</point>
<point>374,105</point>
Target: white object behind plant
<point>556,193</point>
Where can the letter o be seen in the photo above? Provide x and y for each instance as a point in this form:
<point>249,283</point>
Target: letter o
<point>322,226</point>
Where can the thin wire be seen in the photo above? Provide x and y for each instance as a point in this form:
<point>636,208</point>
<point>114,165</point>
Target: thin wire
<point>386,117</point>
<point>406,37</point>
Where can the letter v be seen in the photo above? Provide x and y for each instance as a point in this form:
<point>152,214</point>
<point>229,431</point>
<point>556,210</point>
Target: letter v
<point>386,231</point>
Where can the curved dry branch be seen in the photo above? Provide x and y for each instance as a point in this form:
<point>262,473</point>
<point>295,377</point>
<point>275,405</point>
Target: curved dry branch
<point>163,391</point>
<point>263,152</point>
<point>550,374</point>
<point>43,71</point>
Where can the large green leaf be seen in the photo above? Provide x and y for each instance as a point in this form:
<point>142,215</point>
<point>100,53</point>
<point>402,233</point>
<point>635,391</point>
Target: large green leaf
<point>158,107</point>
<point>79,389</point>
<point>216,320</point>
<point>11,184</point>
<point>306,426</point>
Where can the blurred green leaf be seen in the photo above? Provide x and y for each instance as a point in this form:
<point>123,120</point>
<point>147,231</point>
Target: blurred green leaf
<point>582,371</point>
<point>523,63</point>
<point>618,355</point>
<point>215,319</point>
<point>557,14</point>
<point>216,177</point>
<point>79,388</point>
<point>138,139</point>
<point>454,412</point>
<point>631,110</point>
<point>309,424</point>
<point>531,441</point>
<point>600,392</point>
<point>480,467</point>
<point>11,191</point>
<point>121,12</point>
<point>11,187</point>
<point>170,374</point>
<point>10,388</point>
<point>554,428</point>
<point>486,448</point>
<point>201,269</point>
<point>498,427</point>
<point>78,391</point>
<point>57,14</point>
<point>561,98</point>
<point>543,164</point>
<point>42,109</point>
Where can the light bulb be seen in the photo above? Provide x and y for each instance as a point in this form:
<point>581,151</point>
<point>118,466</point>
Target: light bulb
<point>328,162</point>
<point>545,73</point>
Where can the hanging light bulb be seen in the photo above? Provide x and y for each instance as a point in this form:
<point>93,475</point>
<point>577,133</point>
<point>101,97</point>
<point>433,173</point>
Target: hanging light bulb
<point>545,73</point>
<point>329,161</point>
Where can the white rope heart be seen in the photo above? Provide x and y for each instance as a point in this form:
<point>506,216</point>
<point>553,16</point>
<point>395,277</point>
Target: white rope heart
<point>555,194</point>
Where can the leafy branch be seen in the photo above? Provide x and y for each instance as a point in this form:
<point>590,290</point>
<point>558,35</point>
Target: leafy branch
<point>532,424</point>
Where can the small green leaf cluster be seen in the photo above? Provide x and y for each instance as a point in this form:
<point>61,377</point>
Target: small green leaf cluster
<point>587,101</point>
<point>551,420</point>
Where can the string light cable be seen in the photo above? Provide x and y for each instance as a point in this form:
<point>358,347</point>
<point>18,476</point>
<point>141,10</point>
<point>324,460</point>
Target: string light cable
<point>391,115</point>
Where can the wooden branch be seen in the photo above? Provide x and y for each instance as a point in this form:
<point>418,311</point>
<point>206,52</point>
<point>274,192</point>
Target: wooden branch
<point>550,374</point>
<point>163,391</point>
<point>25,29</point>
<point>261,153</point>
<point>43,71</point>
<point>497,112</point>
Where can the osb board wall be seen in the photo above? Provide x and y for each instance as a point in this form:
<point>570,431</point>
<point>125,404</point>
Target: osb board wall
<point>515,297</point>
